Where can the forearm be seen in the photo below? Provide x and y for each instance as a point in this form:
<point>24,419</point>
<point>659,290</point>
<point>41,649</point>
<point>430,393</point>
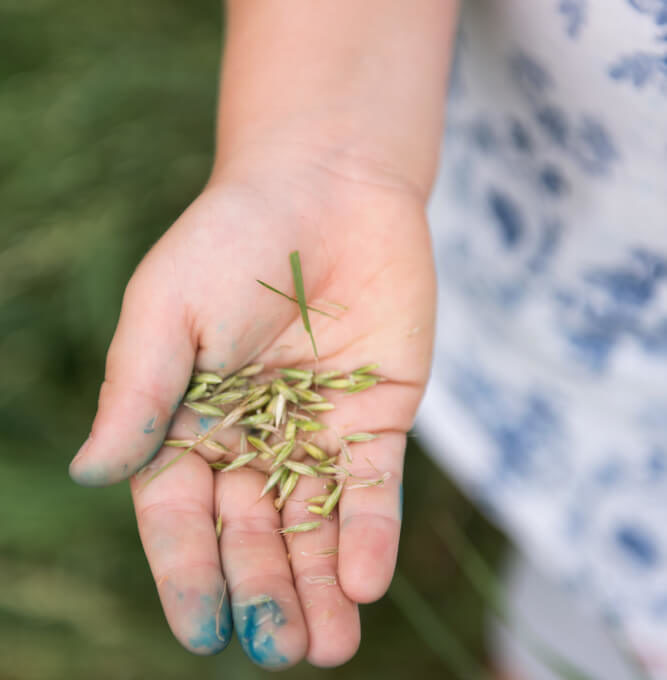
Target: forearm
<point>362,81</point>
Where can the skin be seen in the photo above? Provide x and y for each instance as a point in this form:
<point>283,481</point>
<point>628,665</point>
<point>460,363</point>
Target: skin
<point>330,119</point>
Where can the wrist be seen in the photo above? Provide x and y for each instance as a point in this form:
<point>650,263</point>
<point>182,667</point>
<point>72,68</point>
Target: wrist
<point>322,151</point>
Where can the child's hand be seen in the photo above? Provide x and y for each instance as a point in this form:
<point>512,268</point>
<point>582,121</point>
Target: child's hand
<point>194,303</point>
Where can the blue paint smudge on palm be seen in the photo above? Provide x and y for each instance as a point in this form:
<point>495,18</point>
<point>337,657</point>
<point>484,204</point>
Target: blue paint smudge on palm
<point>205,423</point>
<point>255,624</point>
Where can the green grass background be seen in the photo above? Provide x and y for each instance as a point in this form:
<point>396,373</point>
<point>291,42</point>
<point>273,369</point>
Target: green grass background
<point>106,128</point>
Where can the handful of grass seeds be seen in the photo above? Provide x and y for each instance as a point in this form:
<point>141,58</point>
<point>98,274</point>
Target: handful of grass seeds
<point>277,415</point>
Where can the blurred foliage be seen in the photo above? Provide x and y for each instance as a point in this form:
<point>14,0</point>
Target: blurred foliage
<point>106,131</point>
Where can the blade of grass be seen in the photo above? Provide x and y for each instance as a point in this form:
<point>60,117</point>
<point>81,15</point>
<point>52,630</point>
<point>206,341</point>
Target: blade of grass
<point>295,263</point>
<point>293,299</point>
<point>490,589</point>
<point>433,631</point>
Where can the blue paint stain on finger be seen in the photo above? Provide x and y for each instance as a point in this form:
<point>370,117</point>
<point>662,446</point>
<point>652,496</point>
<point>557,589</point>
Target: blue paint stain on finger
<point>215,630</point>
<point>256,621</point>
<point>149,427</point>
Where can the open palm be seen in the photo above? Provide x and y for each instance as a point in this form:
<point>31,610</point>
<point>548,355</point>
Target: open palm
<point>194,304</point>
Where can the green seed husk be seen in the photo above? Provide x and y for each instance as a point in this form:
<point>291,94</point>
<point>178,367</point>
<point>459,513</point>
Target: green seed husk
<point>321,406</point>
<point>360,437</point>
<point>261,445</point>
<point>334,497</point>
<point>240,461</point>
<point>215,445</point>
<point>205,409</point>
<point>281,386</point>
<point>196,392</point>
<point>273,479</point>
<point>296,374</point>
<point>301,468</point>
<point>207,378</point>
<point>310,425</point>
<point>179,443</point>
<point>249,371</point>
<point>315,509</point>
<point>286,489</point>
<point>326,376</point>
<point>361,386</point>
<point>290,429</point>
<point>368,368</point>
<point>256,419</point>
<point>284,452</point>
<point>308,395</point>
<point>317,499</point>
<point>227,397</point>
<point>314,451</point>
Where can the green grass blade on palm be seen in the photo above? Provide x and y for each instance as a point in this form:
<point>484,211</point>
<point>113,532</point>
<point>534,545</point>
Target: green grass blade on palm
<point>297,275</point>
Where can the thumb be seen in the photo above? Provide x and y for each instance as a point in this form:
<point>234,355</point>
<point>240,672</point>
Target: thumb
<point>148,366</point>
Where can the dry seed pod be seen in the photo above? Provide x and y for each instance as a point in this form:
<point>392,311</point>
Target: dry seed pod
<point>300,528</point>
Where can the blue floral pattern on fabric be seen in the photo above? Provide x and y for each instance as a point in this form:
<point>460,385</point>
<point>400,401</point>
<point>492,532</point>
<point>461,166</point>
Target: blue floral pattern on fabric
<point>549,225</point>
<point>574,12</point>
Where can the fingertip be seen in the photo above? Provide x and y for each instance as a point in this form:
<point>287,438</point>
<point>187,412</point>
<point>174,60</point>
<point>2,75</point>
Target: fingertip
<point>323,654</point>
<point>368,551</point>
<point>89,470</point>
<point>210,634</point>
<point>200,620</point>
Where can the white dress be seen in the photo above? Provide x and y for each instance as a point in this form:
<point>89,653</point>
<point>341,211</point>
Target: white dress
<point>548,397</point>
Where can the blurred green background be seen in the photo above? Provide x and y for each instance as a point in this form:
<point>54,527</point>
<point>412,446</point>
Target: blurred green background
<point>106,129</point>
